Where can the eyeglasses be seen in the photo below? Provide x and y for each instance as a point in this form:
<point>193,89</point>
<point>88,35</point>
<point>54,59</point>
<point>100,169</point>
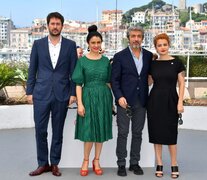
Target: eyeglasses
<point>180,121</point>
<point>128,111</point>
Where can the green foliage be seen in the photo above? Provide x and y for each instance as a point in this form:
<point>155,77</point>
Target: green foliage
<point>127,17</point>
<point>7,76</point>
<point>198,65</point>
<point>145,25</point>
<point>22,73</point>
<point>12,74</point>
<point>184,17</point>
<point>198,17</point>
<point>157,4</point>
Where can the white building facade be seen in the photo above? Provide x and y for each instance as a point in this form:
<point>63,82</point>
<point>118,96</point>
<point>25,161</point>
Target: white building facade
<point>6,25</point>
<point>112,16</point>
<point>20,39</point>
<point>138,17</point>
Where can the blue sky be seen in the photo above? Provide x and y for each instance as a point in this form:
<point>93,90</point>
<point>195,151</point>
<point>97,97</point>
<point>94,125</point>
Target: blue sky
<point>24,11</point>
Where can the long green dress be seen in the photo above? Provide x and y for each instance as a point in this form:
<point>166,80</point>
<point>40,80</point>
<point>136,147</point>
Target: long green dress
<point>92,75</point>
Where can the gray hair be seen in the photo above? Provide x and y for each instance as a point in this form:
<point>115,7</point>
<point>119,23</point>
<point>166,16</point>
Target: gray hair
<point>135,28</point>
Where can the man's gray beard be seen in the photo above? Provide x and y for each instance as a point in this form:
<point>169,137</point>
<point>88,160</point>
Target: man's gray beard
<point>136,46</point>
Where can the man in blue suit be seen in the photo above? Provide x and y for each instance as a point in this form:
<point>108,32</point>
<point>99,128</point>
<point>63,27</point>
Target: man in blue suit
<point>129,80</point>
<point>50,89</point>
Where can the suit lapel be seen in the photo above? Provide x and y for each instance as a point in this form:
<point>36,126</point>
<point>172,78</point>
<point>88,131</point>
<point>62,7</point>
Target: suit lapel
<point>48,52</point>
<point>143,60</point>
<point>131,61</point>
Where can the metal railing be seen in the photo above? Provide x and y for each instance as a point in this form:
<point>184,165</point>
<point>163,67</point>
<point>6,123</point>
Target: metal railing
<point>189,53</point>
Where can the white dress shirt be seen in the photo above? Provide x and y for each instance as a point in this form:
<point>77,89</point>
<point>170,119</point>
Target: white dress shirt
<point>54,51</point>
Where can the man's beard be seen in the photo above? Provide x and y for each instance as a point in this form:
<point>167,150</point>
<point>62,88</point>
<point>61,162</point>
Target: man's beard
<point>52,34</point>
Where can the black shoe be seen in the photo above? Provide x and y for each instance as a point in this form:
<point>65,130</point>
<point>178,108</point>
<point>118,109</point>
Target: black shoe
<point>159,171</point>
<point>121,171</point>
<point>136,169</point>
<point>175,172</point>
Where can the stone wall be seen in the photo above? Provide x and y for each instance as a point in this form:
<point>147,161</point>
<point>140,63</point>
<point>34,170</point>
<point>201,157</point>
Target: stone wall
<point>197,88</point>
<point>13,91</point>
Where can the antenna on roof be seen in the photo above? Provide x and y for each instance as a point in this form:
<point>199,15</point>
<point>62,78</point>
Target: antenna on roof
<point>10,15</point>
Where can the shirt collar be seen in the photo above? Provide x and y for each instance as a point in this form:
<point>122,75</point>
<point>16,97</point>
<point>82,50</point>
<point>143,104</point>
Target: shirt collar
<point>132,51</point>
<point>49,41</point>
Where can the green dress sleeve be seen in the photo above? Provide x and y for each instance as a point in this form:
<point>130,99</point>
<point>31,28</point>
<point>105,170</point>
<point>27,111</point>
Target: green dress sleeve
<point>77,76</point>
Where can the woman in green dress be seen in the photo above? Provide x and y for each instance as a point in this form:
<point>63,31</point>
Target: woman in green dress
<point>94,99</point>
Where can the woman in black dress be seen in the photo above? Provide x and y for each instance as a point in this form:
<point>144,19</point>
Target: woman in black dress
<point>164,103</point>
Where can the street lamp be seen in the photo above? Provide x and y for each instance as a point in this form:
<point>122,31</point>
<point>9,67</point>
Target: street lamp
<point>116,28</point>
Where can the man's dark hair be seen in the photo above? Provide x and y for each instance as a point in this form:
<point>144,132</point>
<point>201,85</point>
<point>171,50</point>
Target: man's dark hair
<point>55,15</point>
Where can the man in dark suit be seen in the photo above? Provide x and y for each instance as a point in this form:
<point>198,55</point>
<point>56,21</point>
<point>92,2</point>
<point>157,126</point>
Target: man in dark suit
<point>50,89</point>
<point>129,80</point>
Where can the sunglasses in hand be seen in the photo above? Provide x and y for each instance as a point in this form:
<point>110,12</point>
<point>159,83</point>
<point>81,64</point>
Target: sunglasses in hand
<point>128,111</point>
<point>180,121</point>
<point>72,107</point>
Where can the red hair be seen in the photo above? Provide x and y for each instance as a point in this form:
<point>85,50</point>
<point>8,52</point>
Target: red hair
<point>161,36</point>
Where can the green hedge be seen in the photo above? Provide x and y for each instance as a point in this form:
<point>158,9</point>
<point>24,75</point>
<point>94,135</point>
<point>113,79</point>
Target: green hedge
<point>198,65</point>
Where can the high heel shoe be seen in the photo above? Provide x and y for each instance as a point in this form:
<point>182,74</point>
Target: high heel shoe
<point>84,172</point>
<point>98,171</point>
<point>175,172</point>
<point>159,171</point>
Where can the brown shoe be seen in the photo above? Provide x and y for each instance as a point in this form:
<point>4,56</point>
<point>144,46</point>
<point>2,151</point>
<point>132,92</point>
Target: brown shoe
<point>55,170</point>
<point>40,170</point>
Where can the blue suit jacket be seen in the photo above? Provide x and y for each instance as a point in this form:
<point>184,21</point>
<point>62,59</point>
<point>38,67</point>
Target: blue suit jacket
<point>43,79</point>
<point>125,80</point>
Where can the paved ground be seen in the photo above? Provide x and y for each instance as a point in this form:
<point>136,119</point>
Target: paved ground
<point>17,158</point>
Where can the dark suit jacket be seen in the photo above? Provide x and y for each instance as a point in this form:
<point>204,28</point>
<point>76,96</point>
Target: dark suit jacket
<point>43,79</point>
<point>125,80</point>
